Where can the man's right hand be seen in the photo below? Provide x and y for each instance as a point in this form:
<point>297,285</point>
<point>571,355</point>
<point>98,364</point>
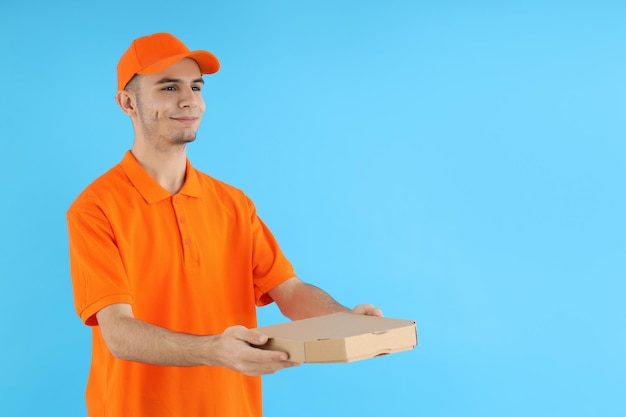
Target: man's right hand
<point>131,339</point>
<point>235,349</point>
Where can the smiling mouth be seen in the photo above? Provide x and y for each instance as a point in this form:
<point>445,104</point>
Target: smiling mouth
<point>186,120</point>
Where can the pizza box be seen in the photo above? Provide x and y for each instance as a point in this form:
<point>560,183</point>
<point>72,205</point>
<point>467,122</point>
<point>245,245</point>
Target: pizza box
<point>340,337</point>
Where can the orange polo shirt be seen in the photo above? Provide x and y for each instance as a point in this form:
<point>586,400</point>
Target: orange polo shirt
<point>195,262</point>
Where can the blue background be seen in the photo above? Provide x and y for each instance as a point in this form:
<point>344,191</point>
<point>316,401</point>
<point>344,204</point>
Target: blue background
<point>457,163</point>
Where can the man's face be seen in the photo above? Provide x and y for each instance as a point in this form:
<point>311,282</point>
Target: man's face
<point>170,104</point>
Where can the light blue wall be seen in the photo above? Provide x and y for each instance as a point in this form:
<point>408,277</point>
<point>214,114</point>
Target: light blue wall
<point>461,164</point>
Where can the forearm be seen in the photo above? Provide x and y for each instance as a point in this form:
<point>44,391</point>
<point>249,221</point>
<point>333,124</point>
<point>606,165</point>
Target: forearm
<point>131,339</point>
<point>304,300</point>
<point>136,340</point>
<point>299,300</point>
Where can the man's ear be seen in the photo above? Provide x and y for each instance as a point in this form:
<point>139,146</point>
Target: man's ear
<point>127,102</point>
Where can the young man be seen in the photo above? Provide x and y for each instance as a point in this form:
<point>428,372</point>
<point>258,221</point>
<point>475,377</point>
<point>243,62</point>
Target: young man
<point>169,264</point>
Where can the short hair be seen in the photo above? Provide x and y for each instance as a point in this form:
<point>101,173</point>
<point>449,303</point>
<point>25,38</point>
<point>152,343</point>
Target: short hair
<point>133,84</point>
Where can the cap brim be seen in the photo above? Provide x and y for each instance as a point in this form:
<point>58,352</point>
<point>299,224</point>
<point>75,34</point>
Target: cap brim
<point>207,62</point>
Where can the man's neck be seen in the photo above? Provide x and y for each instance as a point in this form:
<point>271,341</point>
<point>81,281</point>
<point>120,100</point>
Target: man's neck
<point>167,167</point>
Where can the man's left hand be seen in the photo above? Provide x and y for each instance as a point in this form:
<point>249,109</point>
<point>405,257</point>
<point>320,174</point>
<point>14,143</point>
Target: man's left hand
<point>368,310</point>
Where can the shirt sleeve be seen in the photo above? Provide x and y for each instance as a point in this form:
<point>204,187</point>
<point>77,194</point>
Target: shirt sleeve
<point>98,275</point>
<point>270,267</point>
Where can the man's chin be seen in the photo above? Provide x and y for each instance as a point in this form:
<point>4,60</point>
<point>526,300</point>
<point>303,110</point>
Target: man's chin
<point>184,139</point>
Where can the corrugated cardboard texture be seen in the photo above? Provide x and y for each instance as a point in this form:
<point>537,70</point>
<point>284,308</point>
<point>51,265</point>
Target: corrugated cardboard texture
<point>341,337</point>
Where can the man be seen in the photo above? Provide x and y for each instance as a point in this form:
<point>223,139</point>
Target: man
<point>169,264</point>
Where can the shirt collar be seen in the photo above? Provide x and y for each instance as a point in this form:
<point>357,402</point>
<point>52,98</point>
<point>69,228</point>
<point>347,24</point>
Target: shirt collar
<point>151,190</point>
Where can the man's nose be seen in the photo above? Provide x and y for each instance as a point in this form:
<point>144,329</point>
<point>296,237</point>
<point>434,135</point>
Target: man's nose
<point>188,97</point>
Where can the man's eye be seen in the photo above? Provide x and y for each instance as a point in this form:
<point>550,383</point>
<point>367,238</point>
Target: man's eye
<point>195,88</point>
<point>169,88</point>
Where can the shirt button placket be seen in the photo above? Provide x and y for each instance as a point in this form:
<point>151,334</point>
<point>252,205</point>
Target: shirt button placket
<point>182,228</point>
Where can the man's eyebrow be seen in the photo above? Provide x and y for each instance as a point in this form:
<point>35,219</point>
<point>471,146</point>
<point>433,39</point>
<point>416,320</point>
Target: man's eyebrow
<point>177,80</point>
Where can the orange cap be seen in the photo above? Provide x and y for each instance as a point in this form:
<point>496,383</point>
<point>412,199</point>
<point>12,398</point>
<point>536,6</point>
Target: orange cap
<point>153,53</point>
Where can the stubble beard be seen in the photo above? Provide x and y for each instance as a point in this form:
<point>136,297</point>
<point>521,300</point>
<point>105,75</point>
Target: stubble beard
<point>162,141</point>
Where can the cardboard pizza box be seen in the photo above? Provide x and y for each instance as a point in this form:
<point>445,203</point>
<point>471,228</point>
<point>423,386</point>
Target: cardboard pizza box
<point>340,337</point>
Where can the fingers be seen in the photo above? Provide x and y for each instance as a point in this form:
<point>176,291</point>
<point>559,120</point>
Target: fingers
<point>368,310</point>
<point>237,352</point>
<point>255,361</point>
<point>251,336</point>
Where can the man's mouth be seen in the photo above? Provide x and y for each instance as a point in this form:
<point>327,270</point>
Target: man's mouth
<point>188,120</point>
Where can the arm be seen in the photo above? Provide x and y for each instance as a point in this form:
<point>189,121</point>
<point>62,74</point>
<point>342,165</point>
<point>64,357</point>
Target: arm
<point>132,339</point>
<point>299,300</point>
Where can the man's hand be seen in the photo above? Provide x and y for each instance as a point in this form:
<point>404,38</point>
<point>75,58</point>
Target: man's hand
<point>234,349</point>
<point>367,310</point>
